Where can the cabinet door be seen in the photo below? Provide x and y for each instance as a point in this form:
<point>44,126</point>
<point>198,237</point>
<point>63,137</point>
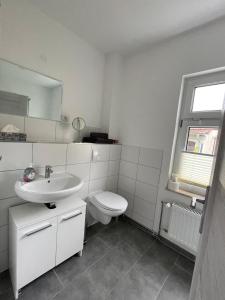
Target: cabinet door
<point>36,250</point>
<point>70,234</point>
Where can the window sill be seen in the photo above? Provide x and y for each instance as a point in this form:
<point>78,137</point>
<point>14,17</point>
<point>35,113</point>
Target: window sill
<point>187,194</point>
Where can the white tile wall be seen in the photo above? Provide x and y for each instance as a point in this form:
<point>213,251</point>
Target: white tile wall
<point>113,167</point>
<point>97,185</point>
<point>148,175</point>
<point>150,157</point>
<point>130,199</point>
<point>80,170</point>
<point>99,170</point>
<point>63,132</point>
<point>144,208</point>
<point>10,119</point>
<point>139,176</point>
<point>104,167</point>
<point>49,154</point>
<point>40,130</point>
<point>111,184</point>
<point>130,153</point>
<point>147,222</point>
<point>55,169</point>
<point>79,153</point>
<point>4,206</point>
<point>83,192</point>
<point>7,182</point>
<point>114,152</point>
<point>74,158</point>
<point>100,153</point>
<point>128,169</point>
<point>14,158</point>
<point>146,192</point>
<point>126,184</point>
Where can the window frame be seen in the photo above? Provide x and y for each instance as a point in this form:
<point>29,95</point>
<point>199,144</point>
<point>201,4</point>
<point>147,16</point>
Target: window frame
<point>187,118</point>
<point>188,95</point>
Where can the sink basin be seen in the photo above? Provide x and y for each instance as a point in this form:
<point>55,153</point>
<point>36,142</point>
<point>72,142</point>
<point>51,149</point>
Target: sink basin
<point>48,190</point>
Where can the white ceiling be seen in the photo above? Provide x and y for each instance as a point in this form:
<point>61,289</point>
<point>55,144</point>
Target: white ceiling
<point>121,25</point>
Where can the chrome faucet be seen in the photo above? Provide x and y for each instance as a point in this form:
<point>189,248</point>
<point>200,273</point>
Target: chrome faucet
<point>48,171</point>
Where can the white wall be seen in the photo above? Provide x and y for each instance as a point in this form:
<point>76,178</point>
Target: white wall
<point>150,91</point>
<point>111,92</point>
<point>31,39</point>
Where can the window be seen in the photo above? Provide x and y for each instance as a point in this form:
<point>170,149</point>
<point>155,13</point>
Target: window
<point>195,169</point>
<point>201,140</point>
<point>202,102</point>
<point>208,98</point>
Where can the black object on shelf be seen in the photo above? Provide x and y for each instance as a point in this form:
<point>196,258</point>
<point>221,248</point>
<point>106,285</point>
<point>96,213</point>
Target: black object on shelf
<point>12,137</point>
<point>98,138</point>
<point>99,135</point>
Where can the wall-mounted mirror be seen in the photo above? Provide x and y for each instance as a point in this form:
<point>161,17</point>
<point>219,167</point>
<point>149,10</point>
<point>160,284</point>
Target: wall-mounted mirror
<point>27,93</point>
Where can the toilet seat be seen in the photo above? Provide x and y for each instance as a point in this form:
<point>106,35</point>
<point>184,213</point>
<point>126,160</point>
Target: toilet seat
<point>102,206</point>
<point>109,201</point>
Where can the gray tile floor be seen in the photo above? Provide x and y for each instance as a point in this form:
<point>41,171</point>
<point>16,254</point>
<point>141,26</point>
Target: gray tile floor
<point>119,262</point>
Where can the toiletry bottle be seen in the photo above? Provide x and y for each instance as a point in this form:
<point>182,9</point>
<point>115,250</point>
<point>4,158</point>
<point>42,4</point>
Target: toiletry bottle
<point>29,174</point>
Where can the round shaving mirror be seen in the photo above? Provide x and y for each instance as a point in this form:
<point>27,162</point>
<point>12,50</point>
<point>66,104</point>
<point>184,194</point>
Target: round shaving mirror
<point>78,125</point>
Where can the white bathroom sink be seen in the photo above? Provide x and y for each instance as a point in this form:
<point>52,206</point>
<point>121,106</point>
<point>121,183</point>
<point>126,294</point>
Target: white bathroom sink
<point>47,190</point>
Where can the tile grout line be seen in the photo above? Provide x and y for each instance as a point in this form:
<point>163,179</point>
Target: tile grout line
<point>135,179</point>
<point>156,297</point>
<point>65,286</point>
<point>142,164</point>
<point>86,270</point>
<point>126,273</point>
<point>59,279</point>
<point>134,264</point>
<point>108,250</point>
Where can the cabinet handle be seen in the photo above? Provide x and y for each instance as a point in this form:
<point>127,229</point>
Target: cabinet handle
<point>37,230</point>
<point>73,216</point>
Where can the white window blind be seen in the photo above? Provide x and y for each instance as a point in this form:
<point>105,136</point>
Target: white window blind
<point>195,168</point>
<point>11,103</point>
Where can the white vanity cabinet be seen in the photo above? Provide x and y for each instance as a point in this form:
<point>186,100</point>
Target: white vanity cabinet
<point>40,238</point>
<point>36,250</point>
<point>70,234</point>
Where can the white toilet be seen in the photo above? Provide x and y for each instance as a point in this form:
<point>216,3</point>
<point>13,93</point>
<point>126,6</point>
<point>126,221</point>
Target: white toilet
<point>102,206</point>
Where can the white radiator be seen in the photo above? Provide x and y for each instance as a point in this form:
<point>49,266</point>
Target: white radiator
<point>184,227</point>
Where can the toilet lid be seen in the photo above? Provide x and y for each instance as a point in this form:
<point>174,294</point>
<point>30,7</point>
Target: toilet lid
<point>110,201</point>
